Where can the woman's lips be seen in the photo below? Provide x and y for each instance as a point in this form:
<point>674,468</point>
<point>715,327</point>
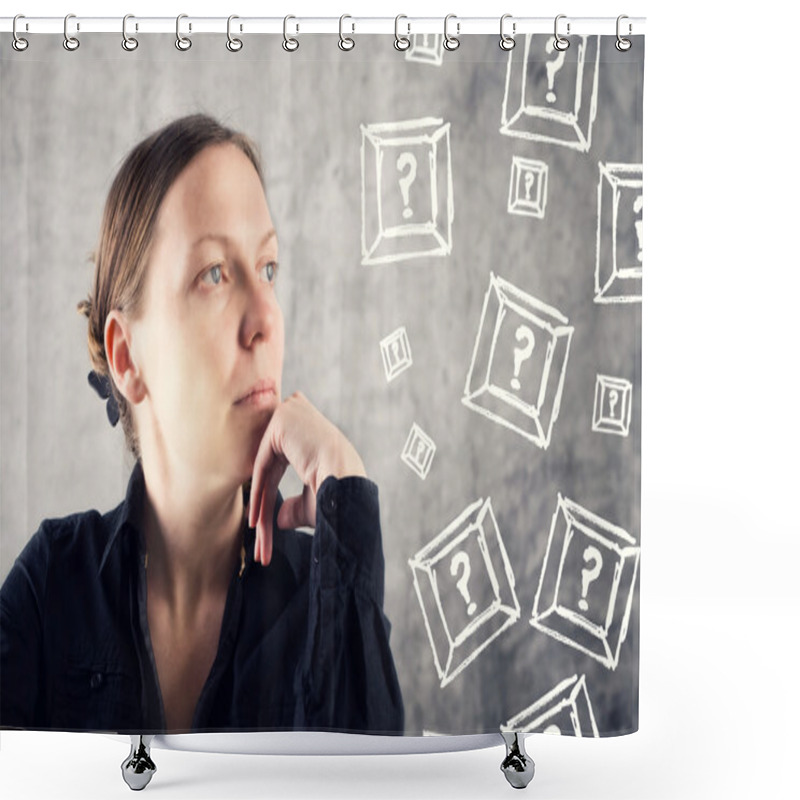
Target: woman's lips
<point>259,396</point>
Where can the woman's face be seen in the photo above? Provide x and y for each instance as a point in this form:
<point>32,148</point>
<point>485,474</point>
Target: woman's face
<point>209,341</point>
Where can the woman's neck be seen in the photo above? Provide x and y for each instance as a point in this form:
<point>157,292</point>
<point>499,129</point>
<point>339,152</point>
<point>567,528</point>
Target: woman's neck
<point>194,535</point>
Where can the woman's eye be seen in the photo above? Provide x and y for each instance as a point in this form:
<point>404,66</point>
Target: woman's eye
<point>269,271</point>
<point>213,275</point>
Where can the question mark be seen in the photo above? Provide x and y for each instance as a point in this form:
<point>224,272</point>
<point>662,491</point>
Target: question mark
<point>420,451</point>
<point>552,67</point>
<point>460,563</point>
<point>638,203</point>
<point>522,353</point>
<point>529,178</point>
<point>407,160</point>
<point>613,396</point>
<point>396,350</point>
<point>588,575</point>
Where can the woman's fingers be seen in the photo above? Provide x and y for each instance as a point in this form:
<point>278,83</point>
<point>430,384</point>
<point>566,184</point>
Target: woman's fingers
<point>298,512</point>
<point>275,468</point>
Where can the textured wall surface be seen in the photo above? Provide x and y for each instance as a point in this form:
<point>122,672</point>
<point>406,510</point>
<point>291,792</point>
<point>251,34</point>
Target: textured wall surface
<point>68,120</point>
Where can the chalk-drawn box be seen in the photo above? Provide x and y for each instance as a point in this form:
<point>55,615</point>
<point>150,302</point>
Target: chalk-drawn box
<point>396,353</point>
<point>613,400</point>
<point>551,96</point>
<point>586,607</point>
<point>527,190</point>
<point>465,586</point>
<point>518,364</point>
<point>427,48</point>
<point>406,190</point>
<point>564,710</point>
<point>618,267</point>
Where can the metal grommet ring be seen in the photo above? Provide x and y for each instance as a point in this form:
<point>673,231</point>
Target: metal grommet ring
<point>129,43</point>
<point>346,42</point>
<point>507,42</point>
<point>560,43</point>
<point>401,42</point>
<point>18,43</point>
<point>622,44</point>
<point>233,44</point>
<point>70,42</point>
<point>290,44</point>
<point>181,42</point>
<point>451,42</point>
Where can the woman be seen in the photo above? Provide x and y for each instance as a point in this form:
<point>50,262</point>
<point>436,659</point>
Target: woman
<point>195,605</point>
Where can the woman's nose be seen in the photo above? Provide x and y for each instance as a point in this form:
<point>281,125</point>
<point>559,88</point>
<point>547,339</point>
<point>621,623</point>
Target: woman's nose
<point>261,310</point>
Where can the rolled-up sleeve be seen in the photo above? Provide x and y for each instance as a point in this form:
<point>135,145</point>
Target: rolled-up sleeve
<point>347,680</point>
<point>21,623</point>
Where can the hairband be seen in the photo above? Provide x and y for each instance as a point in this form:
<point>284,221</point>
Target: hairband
<point>102,385</point>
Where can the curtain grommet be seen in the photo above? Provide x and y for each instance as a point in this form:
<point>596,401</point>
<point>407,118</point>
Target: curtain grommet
<point>451,42</point>
<point>70,43</point>
<point>507,42</point>
<point>346,43</point>
<point>129,43</point>
<point>18,43</point>
<point>401,43</point>
<point>622,44</point>
<point>559,42</point>
<point>233,44</point>
<point>183,43</point>
<point>290,44</point>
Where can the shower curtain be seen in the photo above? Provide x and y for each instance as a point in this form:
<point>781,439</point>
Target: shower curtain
<point>461,284</point>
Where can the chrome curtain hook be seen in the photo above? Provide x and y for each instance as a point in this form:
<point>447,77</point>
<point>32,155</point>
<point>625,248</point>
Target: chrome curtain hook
<point>181,42</point>
<point>290,44</point>
<point>401,42</point>
<point>70,42</point>
<point>129,43</point>
<point>18,43</point>
<point>560,43</point>
<point>622,44</point>
<point>233,44</point>
<point>451,42</point>
<point>346,42</point>
<point>507,42</point>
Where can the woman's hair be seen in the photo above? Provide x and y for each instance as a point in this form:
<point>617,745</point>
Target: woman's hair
<point>128,227</point>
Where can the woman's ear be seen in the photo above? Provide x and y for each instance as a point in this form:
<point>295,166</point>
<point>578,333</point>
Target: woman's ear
<point>118,337</point>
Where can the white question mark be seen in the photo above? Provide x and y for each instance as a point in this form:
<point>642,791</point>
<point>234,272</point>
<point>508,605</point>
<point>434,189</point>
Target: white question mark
<point>638,203</point>
<point>552,67</point>
<point>420,451</point>
<point>613,396</point>
<point>529,178</point>
<point>408,160</point>
<point>522,353</point>
<point>396,350</point>
<point>460,563</point>
<point>588,575</point>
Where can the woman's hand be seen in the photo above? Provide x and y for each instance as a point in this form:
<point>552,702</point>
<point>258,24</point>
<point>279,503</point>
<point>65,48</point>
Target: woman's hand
<point>298,434</point>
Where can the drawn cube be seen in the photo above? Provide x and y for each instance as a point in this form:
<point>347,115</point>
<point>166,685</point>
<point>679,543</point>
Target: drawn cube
<point>396,353</point>
<point>612,405</point>
<point>517,372</point>
<point>527,192</point>
<point>427,48</point>
<point>406,190</point>
<point>618,268</point>
<point>465,587</point>
<point>419,451</point>
<point>587,582</point>
<point>565,710</point>
<point>551,96</point>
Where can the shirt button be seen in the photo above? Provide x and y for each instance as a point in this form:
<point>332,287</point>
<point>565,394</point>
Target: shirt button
<point>97,680</point>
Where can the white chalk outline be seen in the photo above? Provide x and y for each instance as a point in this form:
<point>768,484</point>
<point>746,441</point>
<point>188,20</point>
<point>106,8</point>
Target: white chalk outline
<point>477,519</point>
<point>394,368</point>
<point>568,625</point>
<point>432,55</point>
<point>520,205</point>
<point>571,129</point>
<point>411,448</point>
<point>483,397</point>
<point>614,283</point>
<point>570,693</point>
<point>430,238</point>
<point>621,425</point>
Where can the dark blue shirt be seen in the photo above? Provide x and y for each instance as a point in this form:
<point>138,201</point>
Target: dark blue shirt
<point>304,643</point>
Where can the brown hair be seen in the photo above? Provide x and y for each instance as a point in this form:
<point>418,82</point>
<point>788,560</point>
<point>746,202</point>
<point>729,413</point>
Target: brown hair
<point>128,227</point>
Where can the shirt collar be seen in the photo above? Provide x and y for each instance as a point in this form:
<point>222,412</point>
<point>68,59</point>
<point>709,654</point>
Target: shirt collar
<point>127,516</point>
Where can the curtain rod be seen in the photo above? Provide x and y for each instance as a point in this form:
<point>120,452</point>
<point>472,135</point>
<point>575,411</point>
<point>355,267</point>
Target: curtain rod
<point>350,24</point>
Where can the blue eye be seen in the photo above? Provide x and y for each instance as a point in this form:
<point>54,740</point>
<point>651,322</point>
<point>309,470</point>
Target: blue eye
<point>269,271</point>
<point>215,273</point>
